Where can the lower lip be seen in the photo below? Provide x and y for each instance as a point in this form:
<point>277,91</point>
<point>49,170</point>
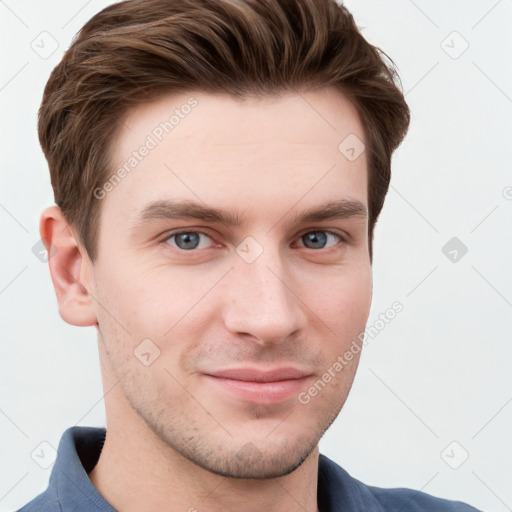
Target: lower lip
<point>261,392</point>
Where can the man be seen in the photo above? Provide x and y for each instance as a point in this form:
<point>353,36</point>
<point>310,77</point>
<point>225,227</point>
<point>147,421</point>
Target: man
<point>218,168</point>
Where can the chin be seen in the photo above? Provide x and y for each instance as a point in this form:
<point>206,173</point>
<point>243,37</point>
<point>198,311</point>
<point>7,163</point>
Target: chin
<point>250,463</point>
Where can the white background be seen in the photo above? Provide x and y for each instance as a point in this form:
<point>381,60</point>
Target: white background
<point>438,373</point>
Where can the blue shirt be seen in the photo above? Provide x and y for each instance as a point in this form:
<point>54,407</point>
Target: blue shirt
<point>70,489</point>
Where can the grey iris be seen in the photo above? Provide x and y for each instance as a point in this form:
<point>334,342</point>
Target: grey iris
<point>187,240</point>
<point>315,237</point>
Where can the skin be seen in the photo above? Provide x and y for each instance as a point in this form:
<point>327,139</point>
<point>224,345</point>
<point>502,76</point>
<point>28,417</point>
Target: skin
<point>174,440</point>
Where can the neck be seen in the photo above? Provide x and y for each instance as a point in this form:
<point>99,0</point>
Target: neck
<point>136,472</point>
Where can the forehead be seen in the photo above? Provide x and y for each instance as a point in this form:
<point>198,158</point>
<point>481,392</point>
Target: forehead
<point>216,149</point>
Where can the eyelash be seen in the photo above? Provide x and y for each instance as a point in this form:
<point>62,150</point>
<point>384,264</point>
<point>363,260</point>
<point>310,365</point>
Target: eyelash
<point>341,238</point>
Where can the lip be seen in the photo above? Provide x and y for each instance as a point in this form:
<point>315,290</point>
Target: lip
<point>260,386</point>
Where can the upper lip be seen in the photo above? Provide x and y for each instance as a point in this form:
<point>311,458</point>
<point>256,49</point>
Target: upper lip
<point>255,375</point>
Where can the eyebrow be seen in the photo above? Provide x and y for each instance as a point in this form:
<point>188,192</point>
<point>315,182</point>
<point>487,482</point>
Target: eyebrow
<point>186,209</point>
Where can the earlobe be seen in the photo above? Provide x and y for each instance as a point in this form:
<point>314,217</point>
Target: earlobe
<point>67,262</point>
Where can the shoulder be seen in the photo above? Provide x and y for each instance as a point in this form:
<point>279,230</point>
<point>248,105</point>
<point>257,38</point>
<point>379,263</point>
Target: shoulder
<point>337,488</point>
<point>415,501</point>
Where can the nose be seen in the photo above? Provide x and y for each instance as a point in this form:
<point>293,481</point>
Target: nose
<point>261,301</point>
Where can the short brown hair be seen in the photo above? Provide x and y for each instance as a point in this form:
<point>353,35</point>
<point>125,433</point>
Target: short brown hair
<point>135,50</point>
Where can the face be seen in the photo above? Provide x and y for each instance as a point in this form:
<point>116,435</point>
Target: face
<point>233,273</point>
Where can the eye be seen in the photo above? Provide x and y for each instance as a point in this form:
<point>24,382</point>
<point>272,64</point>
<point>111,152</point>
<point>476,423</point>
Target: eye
<point>189,240</point>
<point>319,239</point>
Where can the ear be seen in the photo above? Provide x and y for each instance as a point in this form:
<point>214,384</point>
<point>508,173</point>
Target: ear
<point>69,263</point>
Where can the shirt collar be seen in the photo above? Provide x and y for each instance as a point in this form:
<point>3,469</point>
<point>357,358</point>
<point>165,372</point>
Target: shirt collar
<point>80,448</point>
<point>78,453</point>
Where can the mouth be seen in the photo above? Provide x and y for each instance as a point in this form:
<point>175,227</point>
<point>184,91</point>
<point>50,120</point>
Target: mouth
<point>260,386</point>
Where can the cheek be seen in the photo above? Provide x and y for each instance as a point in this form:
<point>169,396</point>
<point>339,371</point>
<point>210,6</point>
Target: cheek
<point>160,305</point>
<point>343,301</point>
<point>355,301</point>
<point>145,302</point>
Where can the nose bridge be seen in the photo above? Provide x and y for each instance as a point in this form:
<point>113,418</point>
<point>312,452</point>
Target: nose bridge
<point>260,301</point>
